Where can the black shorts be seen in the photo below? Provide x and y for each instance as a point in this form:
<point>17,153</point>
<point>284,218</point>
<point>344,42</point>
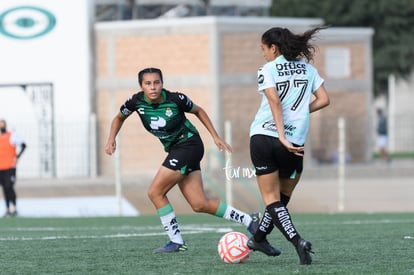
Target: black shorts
<point>269,155</point>
<point>185,156</point>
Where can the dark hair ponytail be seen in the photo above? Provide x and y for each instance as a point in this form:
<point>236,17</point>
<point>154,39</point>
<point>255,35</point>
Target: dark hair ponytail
<point>292,46</point>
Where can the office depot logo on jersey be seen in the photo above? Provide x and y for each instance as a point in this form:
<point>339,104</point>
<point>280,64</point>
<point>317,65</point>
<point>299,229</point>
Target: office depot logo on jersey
<point>291,68</point>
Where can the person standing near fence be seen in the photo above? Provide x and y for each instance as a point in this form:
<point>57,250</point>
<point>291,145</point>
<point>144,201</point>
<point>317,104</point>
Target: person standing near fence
<point>9,141</point>
<point>291,89</point>
<point>162,113</point>
<point>382,135</point>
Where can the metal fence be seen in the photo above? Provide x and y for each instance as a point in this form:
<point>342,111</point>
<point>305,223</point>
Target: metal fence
<point>76,152</point>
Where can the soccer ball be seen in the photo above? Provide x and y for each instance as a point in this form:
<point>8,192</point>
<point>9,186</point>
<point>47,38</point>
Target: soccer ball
<point>232,248</point>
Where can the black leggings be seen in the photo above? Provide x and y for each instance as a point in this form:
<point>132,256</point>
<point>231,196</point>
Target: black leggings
<point>7,180</point>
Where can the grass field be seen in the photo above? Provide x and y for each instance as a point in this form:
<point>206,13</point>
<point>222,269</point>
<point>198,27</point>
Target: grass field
<point>343,244</point>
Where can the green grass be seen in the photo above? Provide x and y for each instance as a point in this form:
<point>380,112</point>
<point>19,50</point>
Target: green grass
<point>343,244</point>
<point>398,155</point>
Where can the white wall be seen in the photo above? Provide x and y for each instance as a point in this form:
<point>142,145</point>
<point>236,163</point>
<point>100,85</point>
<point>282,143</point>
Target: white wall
<point>401,114</point>
<point>61,56</point>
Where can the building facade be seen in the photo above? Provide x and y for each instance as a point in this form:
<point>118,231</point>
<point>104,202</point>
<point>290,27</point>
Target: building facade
<point>214,60</point>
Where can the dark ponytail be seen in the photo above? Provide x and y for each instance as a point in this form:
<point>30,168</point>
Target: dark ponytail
<point>292,46</point>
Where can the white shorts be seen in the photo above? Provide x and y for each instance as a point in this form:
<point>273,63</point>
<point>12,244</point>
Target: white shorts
<point>382,141</point>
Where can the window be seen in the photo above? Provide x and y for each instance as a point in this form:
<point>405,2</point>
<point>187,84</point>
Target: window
<point>338,62</point>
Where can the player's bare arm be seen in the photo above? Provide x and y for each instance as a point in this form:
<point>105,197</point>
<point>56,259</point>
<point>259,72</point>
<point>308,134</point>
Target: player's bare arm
<point>276,108</point>
<point>321,99</point>
<point>204,118</point>
<point>116,125</point>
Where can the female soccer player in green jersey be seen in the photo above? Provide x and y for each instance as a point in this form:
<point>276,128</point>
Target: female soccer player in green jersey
<point>162,113</point>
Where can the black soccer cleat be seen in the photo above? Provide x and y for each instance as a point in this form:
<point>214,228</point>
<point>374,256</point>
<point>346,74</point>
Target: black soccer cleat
<point>171,247</point>
<point>304,249</point>
<point>263,247</point>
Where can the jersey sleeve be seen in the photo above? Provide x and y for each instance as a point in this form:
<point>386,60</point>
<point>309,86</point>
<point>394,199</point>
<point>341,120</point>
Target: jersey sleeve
<point>264,78</point>
<point>16,139</point>
<point>129,106</point>
<point>317,80</point>
<point>183,102</point>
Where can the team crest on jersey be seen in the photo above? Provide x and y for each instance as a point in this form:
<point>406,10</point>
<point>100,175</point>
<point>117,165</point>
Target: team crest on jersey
<point>168,112</point>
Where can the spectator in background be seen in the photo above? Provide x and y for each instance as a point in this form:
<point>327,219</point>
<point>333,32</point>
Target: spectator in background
<point>382,138</point>
<point>9,141</point>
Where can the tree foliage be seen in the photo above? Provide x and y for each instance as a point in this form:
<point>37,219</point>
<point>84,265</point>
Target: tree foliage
<point>392,21</point>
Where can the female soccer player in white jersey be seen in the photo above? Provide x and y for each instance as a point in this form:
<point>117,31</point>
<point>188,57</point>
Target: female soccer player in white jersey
<point>162,113</point>
<point>278,133</point>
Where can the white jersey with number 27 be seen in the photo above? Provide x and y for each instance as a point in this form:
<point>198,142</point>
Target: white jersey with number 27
<point>294,81</point>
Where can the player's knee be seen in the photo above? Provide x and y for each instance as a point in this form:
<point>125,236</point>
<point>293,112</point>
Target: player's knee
<point>199,207</point>
<point>152,194</point>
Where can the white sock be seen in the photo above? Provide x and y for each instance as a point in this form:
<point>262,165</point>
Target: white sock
<point>233,214</point>
<point>170,224</point>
